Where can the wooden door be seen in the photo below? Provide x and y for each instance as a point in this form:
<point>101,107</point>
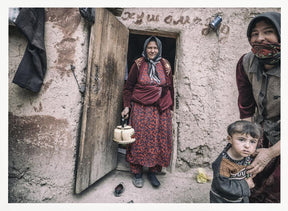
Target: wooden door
<point>97,154</point>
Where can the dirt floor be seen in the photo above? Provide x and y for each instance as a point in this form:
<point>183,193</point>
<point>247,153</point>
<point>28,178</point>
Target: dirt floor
<point>175,187</point>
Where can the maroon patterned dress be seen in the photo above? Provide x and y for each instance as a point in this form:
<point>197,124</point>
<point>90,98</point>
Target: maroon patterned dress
<point>153,128</point>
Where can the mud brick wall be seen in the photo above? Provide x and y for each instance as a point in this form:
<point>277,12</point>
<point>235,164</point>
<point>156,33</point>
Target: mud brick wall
<point>43,127</point>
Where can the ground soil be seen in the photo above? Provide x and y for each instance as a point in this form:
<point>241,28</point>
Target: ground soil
<point>175,188</point>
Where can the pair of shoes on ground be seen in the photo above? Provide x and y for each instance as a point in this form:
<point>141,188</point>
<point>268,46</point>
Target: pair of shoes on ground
<point>138,180</point>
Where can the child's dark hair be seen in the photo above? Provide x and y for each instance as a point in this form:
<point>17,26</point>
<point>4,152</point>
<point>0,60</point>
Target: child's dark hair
<point>245,127</point>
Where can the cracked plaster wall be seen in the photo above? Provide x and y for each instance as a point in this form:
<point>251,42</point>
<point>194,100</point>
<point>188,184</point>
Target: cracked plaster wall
<point>43,126</point>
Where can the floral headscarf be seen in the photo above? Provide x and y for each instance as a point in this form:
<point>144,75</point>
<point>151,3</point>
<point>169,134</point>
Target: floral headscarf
<point>268,53</point>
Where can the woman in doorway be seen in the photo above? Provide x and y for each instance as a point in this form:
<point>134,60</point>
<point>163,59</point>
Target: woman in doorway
<point>258,81</point>
<point>148,93</point>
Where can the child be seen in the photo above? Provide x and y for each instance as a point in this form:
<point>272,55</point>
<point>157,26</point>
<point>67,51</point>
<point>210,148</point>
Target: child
<point>230,181</point>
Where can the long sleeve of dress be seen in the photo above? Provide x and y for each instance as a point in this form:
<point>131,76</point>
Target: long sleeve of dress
<point>246,101</point>
<point>129,85</point>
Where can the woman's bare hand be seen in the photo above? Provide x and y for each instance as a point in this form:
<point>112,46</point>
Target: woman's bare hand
<point>125,112</point>
<point>263,157</point>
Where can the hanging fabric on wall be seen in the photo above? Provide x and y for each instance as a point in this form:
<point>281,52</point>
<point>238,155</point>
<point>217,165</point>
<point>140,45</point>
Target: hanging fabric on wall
<point>88,14</point>
<point>32,68</point>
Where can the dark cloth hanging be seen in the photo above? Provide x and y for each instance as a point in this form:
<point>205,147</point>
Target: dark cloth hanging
<point>88,14</point>
<point>32,68</point>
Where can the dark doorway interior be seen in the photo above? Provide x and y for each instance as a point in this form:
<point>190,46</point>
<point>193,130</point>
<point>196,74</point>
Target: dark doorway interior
<point>136,43</point>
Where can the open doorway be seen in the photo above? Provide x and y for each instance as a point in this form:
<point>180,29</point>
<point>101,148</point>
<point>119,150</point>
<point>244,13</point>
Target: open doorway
<point>135,48</point>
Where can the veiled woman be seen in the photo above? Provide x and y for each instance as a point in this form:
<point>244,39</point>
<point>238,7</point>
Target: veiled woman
<point>258,80</point>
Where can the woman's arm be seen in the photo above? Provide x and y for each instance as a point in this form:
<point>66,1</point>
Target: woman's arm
<point>169,78</point>
<point>246,102</point>
<point>129,85</point>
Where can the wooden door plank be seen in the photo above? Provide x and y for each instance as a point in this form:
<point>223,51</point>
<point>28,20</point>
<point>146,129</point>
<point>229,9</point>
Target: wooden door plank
<point>102,103</point>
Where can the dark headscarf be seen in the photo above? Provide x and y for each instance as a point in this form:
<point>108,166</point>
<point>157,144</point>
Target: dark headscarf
<point>267,52</point>
<point>152,63</point>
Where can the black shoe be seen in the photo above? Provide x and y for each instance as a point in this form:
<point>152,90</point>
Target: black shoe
<point>119,189</point>
<point>153,179</point>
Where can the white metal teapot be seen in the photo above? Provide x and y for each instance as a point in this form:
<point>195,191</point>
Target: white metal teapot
<point>124,134</point>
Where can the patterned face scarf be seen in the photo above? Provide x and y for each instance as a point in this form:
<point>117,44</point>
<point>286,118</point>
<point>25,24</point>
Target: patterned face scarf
<point>268,53</point>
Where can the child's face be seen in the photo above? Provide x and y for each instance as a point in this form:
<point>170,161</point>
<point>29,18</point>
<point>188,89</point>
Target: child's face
<point>243,145</point>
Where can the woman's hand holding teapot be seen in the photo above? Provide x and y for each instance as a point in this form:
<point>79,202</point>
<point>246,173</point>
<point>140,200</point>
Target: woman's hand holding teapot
<point>125,112</point>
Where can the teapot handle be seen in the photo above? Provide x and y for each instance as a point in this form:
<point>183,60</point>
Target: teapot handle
<point>122,122</point>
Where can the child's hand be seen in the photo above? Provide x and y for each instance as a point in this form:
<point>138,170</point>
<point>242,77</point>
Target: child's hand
<point>250,182</point>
